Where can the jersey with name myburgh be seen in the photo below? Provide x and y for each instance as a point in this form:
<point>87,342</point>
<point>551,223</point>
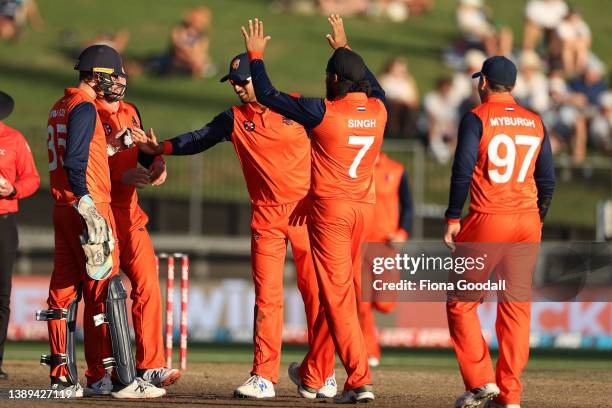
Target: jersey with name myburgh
<point>428,285</point>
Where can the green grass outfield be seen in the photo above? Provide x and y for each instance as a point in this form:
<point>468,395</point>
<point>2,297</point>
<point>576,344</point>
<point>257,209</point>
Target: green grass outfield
<point>36,68</point>
<point>422,359</point>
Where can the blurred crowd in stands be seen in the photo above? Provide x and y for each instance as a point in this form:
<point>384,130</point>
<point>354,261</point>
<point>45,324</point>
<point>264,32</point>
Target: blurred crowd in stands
<point>559,76</point>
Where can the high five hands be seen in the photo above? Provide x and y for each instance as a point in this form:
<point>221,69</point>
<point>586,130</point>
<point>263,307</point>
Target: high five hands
<point>255,39</point>
<point>338,37</point>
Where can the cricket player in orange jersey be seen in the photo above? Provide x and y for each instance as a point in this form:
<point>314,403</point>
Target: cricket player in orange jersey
<point>87,258</point>
<point>392,222</point>
<point>504,160</point>
<point>136,252</point>
<point>346,131</point>
<point>274,152</point>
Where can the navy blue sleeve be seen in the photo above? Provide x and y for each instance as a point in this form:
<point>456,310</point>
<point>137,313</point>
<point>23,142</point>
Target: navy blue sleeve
<point>218,130</point>
<point>308,112</point>
<point>406,204</point>
<point>466,154</point>
<point>544,175</point>
<point>81,126</point>
<point>377,90</point>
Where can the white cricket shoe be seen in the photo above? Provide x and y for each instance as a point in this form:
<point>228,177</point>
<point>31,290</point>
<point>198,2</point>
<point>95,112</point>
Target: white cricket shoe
<point>474,397</point>
<point>139,389</point>
<point>373,362</point>
<point>104,386</point>
<point>160,377</point>
<point>66,389</point>
<point>255,387</point>
<point>328,390</point>
<point>362,394</point>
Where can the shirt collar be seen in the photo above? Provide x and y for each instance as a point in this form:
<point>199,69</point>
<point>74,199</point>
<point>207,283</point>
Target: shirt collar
<point>499,98</point>
<point>254,110</point>
<point>74,91</point>
<point>353,96</point>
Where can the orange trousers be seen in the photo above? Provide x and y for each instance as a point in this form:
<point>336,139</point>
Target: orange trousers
<point>366,308</point>
<point>271,227</point>
<point>68,273</point>
<point>137,261</point>
<point>336,230</point>
<point>513,317</point>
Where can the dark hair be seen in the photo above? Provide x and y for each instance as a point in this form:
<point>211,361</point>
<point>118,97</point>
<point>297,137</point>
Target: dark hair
<point>345,86</point>
<point>499,88</point>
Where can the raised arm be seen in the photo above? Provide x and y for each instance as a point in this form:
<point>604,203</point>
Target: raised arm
<point>338,39</point>
<point>308,112</point>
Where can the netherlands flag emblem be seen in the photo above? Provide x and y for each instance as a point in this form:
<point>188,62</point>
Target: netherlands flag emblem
<point>361,108</point>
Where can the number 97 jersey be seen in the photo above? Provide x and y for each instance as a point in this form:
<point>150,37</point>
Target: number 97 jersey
<point>503,178</point>
<point>345,146</point>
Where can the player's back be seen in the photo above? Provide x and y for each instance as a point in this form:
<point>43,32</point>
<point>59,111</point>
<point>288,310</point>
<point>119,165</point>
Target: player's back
<point>388,175</point>
<point>503,179</point>
<point>344,148</point>
<point>97,172</point>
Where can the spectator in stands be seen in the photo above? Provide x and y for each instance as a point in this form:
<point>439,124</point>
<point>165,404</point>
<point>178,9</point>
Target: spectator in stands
<point>591,84</point>
<point>402,98</point>
<point>463,84</point>
<point>575,37</point>
<point>564,119</point>
<point>601,125</point>
<point>117,40</point>
<point>531,88</point>
<point>343,7</point>
<point>18,179</point>
<point>14,14</point>
<point>190,43</point>
<point>474,23</point>
<point>542,17</point>
<point>441,120</point>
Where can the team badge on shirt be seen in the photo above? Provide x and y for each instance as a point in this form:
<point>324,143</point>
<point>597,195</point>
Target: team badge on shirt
<point>134,121</point>
<point>107,128</point>
<point>249,126</point>
<point>287,121</point>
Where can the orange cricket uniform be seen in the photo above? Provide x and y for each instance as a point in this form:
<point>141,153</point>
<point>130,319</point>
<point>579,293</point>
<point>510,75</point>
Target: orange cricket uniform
<point>137,255</point>
<point>504,156</point>
<point>274,153</point>
<point>391,185</point>
<point>69,259</point>
<point>346,137</point>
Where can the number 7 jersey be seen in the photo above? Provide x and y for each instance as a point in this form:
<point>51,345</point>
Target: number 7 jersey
<point>345,146</point>
<point>503,179</point>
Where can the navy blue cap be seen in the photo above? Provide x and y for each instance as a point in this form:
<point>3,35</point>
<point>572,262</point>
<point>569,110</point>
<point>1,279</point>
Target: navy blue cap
<point>239,69</point>
<point>100,58</point>
<point>498,69</point>
<point>6,105</point>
